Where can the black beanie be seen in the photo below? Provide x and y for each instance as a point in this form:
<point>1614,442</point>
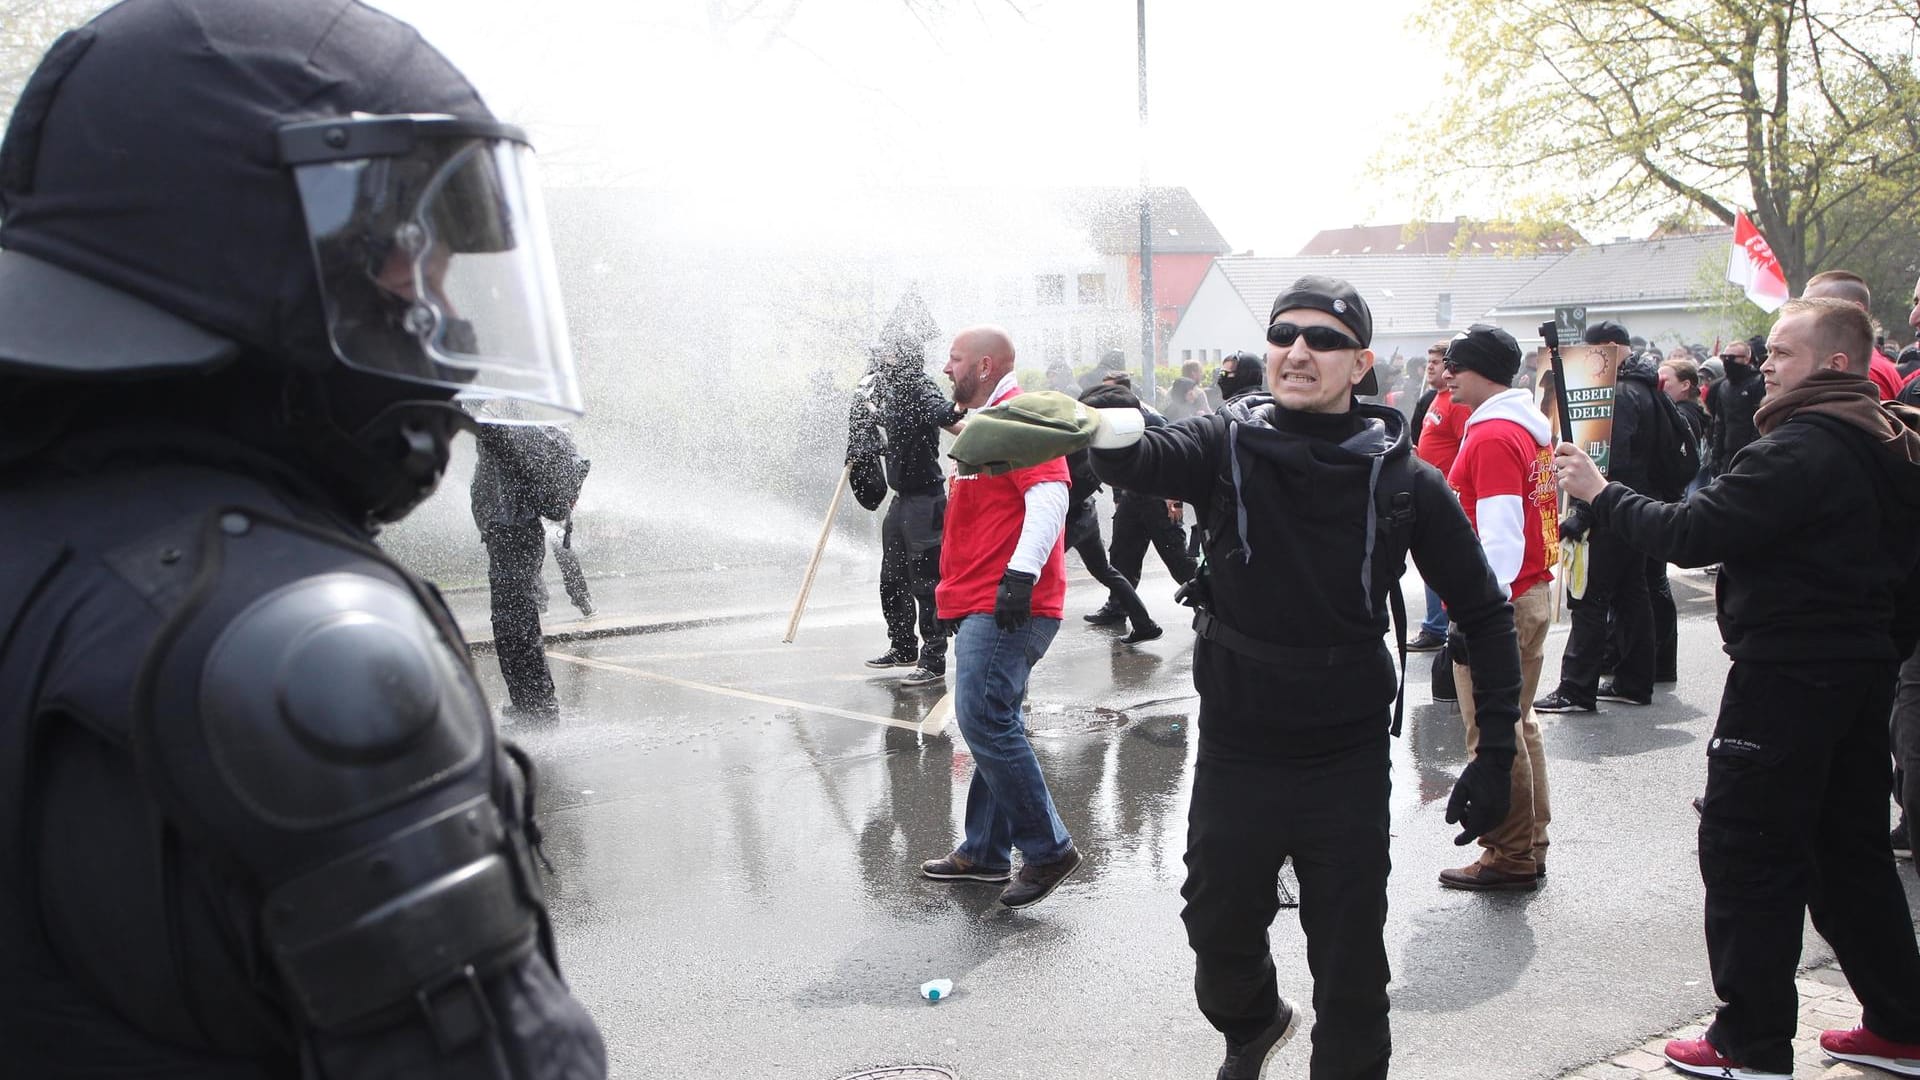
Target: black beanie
<point>1487,350</point>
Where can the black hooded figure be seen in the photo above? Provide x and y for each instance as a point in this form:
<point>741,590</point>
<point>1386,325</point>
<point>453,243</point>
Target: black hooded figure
<point>257,820</point>
<point>908,411</point>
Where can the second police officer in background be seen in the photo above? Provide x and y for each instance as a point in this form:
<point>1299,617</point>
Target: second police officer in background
<point>1312,503</point>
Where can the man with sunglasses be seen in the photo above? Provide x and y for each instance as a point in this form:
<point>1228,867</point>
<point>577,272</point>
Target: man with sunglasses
<point>262,261</point>
<point>1732,401</point>
<point>1313,501</point>
<point>1504,477</point>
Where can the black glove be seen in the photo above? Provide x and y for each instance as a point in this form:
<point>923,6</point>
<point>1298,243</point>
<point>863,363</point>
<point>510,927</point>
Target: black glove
<point>1574,526</point>
<point>1482,796</point>
<point>1457,646</point>
<point>1013,606</point>
<point>950,627</point>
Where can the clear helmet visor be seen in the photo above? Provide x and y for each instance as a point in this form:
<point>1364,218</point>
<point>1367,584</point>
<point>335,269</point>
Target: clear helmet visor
<point>435,267</point>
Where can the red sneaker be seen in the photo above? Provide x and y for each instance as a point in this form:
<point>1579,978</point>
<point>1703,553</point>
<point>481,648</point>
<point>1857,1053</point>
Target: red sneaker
<point>1863,1046</point>
<point>1697,1056</point>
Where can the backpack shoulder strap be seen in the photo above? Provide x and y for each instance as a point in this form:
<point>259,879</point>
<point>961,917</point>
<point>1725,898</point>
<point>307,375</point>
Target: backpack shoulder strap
<point>1394,500</point>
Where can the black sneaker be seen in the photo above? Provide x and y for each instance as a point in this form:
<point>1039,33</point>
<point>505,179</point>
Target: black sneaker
<point>1558,702</point>
<point>1142,633</point>
<point>924,677</point>
<point>895,658</point>
<point>1107,615</point>
<point>1035,883</point>
<point>1426,641</point>
<point>954,868</point>
<point>1248,1060</point>
<point>1606,692</point>
<point>1902,842</point>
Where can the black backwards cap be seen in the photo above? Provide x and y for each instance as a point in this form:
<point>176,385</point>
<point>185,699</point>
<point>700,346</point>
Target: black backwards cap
<point>1338,299</point>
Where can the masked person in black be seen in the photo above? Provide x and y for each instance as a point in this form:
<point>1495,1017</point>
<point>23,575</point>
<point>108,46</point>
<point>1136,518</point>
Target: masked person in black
<point>523,473</point>
<point>1616,604</point>
<point>1312,503</point>
<point>258,820</point>
<point>1732,401</point>
<point>910,410</point>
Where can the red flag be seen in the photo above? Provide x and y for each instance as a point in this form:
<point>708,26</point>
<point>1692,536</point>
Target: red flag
<point>1753,267</point>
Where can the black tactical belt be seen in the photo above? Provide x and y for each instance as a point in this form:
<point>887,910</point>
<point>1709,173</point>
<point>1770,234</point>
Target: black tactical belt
<point>1211,628</point>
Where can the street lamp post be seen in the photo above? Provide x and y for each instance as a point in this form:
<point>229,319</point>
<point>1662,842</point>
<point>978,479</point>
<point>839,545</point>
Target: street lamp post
<point>1147,334</point>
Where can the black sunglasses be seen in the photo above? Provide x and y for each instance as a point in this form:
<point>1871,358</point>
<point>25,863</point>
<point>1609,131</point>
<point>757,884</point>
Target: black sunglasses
<point>1453,367</point>
<point>1731,356</point>
<point>1319,338</point>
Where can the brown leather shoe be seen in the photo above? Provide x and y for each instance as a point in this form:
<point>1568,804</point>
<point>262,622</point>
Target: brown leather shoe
<point>1482,877</point>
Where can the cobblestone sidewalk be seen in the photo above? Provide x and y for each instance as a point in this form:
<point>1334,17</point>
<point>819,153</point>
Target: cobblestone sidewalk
<point>1825,1003</point>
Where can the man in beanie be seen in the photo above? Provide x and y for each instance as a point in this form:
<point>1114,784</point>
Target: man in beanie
<point>1504,478</point>
<point>263,260</point>
<point>1312,502</point>
<point>1616,599</point>
<point>1817,526</point>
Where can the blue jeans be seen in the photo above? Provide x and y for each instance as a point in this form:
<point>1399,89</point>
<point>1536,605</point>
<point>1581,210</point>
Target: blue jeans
<point>1436,621</point>
<point>1007,805</point>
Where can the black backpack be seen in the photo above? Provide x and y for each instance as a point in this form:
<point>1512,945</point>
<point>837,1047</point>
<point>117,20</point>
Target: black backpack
<point>1673,458</point>
<point>553,468</point>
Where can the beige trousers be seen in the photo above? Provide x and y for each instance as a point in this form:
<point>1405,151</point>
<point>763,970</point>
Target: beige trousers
<point>1519,844</point>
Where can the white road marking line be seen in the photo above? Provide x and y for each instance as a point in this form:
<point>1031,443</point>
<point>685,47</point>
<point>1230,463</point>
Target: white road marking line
<point>728,691</point>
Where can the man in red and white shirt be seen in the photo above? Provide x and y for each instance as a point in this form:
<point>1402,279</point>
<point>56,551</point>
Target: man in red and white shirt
<point>1504,478</point>
<point>1002,581</point>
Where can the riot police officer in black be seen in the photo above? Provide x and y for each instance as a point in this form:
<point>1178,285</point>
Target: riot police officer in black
<point>1312,503</point>
<point>256,819</point>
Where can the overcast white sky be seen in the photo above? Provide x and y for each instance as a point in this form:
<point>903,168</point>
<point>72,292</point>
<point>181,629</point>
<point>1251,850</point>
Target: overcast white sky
<point>1268,111</point>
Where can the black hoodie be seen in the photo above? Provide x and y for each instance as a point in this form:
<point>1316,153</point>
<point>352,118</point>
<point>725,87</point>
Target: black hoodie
<point>1633,418</point>
<point>1823,574</point>
<point>1289,502</point>
<point>1731,403</point>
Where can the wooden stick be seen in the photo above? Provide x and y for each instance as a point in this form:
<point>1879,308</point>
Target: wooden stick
<point>937,717</point>
<point>819,549</point>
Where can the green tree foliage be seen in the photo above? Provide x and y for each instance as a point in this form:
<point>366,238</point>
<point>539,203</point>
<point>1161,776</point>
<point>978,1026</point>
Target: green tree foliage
<point>1804,112</point>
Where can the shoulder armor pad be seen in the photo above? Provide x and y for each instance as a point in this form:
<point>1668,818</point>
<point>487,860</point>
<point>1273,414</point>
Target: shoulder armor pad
<point>332,698</point>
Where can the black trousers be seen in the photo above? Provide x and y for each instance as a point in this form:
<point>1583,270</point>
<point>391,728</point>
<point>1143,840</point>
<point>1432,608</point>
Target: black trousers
<point>1093,554</point>
<point>1665,623</point>
<point>1138,522</point>
<point>1795,822</point>
<point>1329,814</point>
<point>909,572</point>
<point>1616,581</point>
<point>1905,736</point>
<point>514,557</point>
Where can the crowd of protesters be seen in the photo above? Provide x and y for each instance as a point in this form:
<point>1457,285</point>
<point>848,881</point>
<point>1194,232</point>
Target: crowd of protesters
<point>1453,462</point>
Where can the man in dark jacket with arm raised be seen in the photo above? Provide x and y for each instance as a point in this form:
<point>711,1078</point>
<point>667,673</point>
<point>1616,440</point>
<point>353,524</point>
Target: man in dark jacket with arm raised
<point>1815,605</point>
<point>1312,502</point>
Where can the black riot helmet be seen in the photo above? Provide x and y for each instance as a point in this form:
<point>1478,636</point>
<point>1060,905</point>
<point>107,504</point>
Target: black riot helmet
<point>299,198</point>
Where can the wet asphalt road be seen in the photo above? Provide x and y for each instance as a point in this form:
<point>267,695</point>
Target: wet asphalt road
<point>736,825</point>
